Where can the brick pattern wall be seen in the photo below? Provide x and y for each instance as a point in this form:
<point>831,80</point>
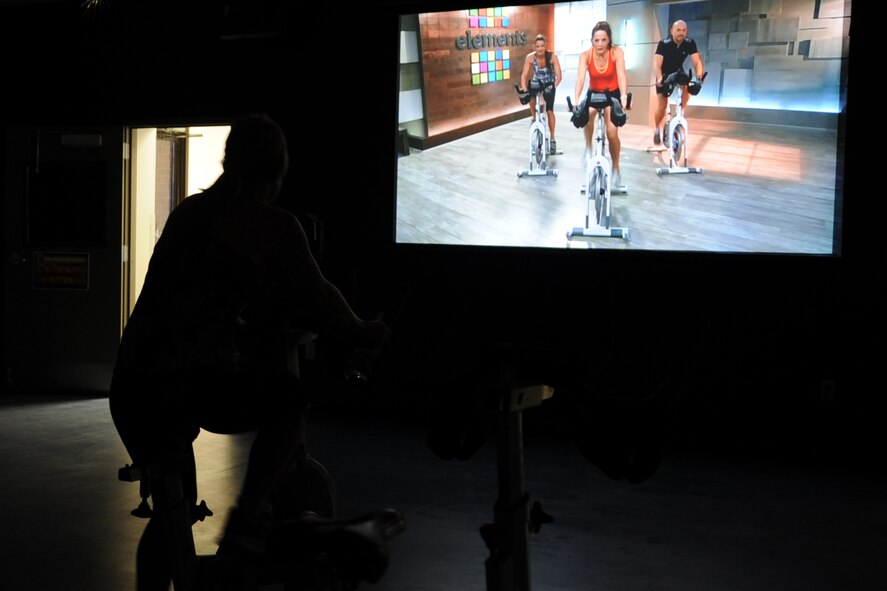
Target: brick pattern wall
<point>451,100</point>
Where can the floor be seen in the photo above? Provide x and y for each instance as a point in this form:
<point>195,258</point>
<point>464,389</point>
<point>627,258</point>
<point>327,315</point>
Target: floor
<point>763,188</point>
<point>702,521</point>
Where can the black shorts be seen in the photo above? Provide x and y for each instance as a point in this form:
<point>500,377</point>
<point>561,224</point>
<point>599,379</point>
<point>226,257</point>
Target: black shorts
<point>613,93</point>
<point>155,413</point>
<point>548,97</point>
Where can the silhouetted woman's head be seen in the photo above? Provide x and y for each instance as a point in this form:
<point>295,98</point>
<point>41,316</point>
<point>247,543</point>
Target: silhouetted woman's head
<point>256,154</point>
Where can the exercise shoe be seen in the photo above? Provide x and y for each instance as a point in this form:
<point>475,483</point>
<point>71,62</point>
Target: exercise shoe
<point>355,548</point>
<point>245,533</point>
<point>657,139</point>
<point>617,182</point>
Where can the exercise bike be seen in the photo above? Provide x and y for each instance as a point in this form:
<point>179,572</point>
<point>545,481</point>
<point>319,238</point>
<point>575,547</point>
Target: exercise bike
<point>598,187</point>
<point>505,389</point>
<point>540,134</point>
<point>676,131</point>
<point>309,547</point>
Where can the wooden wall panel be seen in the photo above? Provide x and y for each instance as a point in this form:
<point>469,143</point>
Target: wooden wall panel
<point>452,102</point>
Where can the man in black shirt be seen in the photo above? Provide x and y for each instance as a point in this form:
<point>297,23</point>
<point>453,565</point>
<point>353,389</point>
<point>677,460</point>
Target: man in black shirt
<point>669,58</point>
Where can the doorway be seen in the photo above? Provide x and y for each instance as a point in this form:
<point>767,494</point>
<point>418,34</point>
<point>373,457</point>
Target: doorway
<point>167,165</point>
<point>83,210</point>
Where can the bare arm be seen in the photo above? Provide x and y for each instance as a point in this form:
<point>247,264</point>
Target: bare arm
<point>657,69</point>
<point>525,74</point>
<point>697,63</point>
<point>581,73</point>
<point>323,305</point>
<point>619,59</point>
<point>557,69</point>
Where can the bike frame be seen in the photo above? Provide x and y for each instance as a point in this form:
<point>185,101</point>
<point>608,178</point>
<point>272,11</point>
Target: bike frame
<point>539,125</point>
<point>677,124</point>
<point>598,166</point>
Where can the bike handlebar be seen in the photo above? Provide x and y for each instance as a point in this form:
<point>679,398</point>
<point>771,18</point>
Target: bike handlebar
<point>599,101</point>
<point>523,95</point>
<point>534,87</point>
<point>681,78</point>
<point>359,365</point>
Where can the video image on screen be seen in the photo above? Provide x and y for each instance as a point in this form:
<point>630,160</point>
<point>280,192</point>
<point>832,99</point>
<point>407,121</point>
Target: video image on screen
<point>753,164</point>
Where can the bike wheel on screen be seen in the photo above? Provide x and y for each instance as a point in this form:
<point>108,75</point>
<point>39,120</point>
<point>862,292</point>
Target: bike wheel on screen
<point>679,144</point>
<point>538,154</point>
<point>599,186</point>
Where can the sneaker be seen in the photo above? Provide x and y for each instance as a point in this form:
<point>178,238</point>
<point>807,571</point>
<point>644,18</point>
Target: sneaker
<point>245,533</point>
<point>657,139</point>
<point>617,181</point>
<point>552,148</point>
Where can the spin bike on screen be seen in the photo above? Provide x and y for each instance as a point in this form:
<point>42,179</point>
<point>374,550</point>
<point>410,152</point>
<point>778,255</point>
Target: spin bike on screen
<point>676,132</point>
<point>540,134</point>
<point>599,168</point>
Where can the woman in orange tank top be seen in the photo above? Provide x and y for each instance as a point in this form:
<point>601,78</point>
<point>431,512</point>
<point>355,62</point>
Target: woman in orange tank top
<point>605,65</point>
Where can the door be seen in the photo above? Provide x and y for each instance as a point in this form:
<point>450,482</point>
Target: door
<point>63,257</point>
<point>167,164</point>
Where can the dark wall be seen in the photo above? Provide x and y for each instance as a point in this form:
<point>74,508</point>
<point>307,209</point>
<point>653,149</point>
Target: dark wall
<point>740,343</point>
<point>753,348</point>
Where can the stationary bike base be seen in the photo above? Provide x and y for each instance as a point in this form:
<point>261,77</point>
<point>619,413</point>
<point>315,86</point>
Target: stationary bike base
<point>597,232</point>
<point>538,172</point>
<point>678,170</point>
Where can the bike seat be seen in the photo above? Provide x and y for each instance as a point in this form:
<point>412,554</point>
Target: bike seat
<point>598,100</point>
<point>680,78</point>
<point>355,548</point>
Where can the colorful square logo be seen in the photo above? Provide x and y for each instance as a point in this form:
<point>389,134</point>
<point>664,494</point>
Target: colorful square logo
<point>487,66</point>
<point>492,65</point>
<point>488,18</point>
